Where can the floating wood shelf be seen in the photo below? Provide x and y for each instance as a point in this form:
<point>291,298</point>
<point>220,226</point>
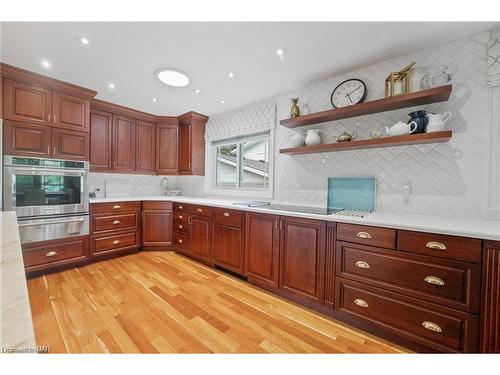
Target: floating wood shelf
<point>435,95</point>
<point>399,140</point>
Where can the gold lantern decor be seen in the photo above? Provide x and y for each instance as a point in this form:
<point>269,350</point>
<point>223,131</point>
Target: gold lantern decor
<point>398,80</point>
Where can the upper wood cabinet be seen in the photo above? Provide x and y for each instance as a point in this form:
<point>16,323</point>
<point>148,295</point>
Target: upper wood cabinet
<point>166,147</point>
<point>123,143</point>
<point>27,103</point>
<point>70,112</point>
<point>192,144</point>
<point>303,258</point>
<point>69,144</point>
<point>145,147</point>
<point>25,139</point>
<point>101,124</point>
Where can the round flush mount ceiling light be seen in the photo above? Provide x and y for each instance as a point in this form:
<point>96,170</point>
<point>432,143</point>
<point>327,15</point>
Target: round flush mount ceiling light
<point>172,77</point>
<point>84,41</point>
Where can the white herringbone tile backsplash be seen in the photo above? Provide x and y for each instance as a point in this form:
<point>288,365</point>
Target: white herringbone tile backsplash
<point>448,179</point>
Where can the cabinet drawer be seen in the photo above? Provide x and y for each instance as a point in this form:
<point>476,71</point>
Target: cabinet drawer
<point>181,241</point>
<point>156,205</point>
<point>115,242</point>
<point>54,251</point>
<point>181,217</point>
<point>115,222</point>
<point>180,227</point>
<point>440,328</point>
<point>440,245</point>
<point>114,207</point>
<point>181,207</point>
<point>199,210</point>
<point>232,218</point>
<point>452,283</point>
<point>381,237</point>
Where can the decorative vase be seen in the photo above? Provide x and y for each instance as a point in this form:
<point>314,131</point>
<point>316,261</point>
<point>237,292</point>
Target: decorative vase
<point>295,110</point>
<point>296,140</point>
<point>420,118</point>
<point>313,137</point>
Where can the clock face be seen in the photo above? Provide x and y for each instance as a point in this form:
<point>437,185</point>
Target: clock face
<point>352,91</point>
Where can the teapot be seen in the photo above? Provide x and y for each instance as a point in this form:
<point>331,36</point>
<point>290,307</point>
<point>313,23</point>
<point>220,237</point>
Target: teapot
<point>401,128</point>
<point>296,140</point>
<point>346,137</point>
<point>437,121</point>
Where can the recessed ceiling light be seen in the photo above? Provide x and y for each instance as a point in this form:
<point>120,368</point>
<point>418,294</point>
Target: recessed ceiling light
<point>230,75</point>
<point>84,40</point>
<point>280,52</point>
<point>46,64</point>
<point>111,85</point>
<point>172,77</point>
<point>197,91</point>
<point>222,101</point>
<point>154,100</point>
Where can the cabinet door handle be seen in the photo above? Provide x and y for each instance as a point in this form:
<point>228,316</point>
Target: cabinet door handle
<point>432,326</point>
<point>116,242</point>
<point>49,117</point>
<point>180,217</point>
<point>362,264</point>
<point>55,119</point>
<point>435,245</point>
<point>51,254</point>
<point>226,214</point>
<point>199,210</point>
<point>190,220</point>
<point>116,207</point>
<point>180,207</point>
<point>116,222</point>
<point>363,235</point>
<point>48,150</point>
<point>434,280</point>
<point>180,227</point>
<point>179,240</point>
<point>54,150</point>
<point>361,302</point>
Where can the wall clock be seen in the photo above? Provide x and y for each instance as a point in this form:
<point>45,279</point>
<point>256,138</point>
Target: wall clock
<point>349,92</point>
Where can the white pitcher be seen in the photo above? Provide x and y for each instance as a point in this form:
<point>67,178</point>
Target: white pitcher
<point>437,121</point>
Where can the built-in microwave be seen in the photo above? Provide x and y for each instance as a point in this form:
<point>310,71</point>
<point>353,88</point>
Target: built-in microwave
<point>37,188</point>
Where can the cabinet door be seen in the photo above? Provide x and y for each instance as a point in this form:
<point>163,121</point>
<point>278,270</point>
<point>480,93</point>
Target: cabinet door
<point>185,149</point>
<point>262,249</point>
<point>227,247</point>
<point>156,228</point>
<point>302,260</point>
<point>23,102</point>
<point>100,140</point>
<point>123,143</point>
<point>68,144</point>
<point>70,112</point>
<point>145,147</point>
<point>200,237</point>
<point>24,139</point>
<point>490,307</point>
<point>166,149</point>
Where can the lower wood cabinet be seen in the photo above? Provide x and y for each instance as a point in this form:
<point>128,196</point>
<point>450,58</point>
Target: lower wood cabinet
<point>199,245</point>
<point>490,314</point>
<point>302,259</point>
<point>262,236</point>
<point>228,239</point>
<point>157,222</point>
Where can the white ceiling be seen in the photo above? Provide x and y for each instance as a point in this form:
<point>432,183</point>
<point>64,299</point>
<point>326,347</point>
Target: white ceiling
<point>127,54</point>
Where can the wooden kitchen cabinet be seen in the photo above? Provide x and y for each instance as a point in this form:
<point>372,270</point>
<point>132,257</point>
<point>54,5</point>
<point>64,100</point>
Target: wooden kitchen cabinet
<point>191,153</point>
<point>262,249</point>
<point>228,239</point>
<point>302,258</point>
<point>101,124</point>
<point>69,144</point>
<point>166,146</point>
<point>123,143</point>
<point>157,222</point>
<point>26,102</point>
<point>490,311</point>
<point>145,147</point>
<point>24,139</point>
<point>200,238</point>
<point>70,112</point>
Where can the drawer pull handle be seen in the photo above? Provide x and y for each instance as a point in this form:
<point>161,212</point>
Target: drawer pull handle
<point>180,207</point>
<point>51,254</point>
<point>432,326</point>
<point>199,210</point>
<point>179,240</point>
<point>180,227</point>
<point>226,214</point>
<point>116,222</point>
<point>361,264</point>
<point>180,217</point>
<point>364,235</point>
<point>435,245</point>
<point>361,302</point>
<point>434,280</point>
<point>116,242</point>
<point>116,207</point>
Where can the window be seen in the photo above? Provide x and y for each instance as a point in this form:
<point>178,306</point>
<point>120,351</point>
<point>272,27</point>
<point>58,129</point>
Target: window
<point>243,162</point>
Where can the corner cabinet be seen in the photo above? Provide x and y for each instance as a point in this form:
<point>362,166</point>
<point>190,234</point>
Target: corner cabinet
<point>191,153</point>
<point>490,314</point>
<point>101,124</point>
<point>167,137</point>
<point>157,224</point>
<point>145,147</point>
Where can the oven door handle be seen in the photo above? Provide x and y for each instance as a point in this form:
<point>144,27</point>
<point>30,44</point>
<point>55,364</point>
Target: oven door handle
<point>80,220</point>
<point>45,171</point>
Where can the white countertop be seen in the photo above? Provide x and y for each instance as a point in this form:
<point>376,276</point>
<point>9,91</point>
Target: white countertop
<point>16,325</point>
<point>476,228</point>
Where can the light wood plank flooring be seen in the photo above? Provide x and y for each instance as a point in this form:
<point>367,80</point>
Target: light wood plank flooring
<point>162,302</point>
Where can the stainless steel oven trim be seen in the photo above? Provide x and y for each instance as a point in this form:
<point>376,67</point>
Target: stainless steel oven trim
<point>34,230</point>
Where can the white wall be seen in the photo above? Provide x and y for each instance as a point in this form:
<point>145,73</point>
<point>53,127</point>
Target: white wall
<point>450,179</point>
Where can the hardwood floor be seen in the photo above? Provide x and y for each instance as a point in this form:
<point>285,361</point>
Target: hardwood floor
<point>162,302</point>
